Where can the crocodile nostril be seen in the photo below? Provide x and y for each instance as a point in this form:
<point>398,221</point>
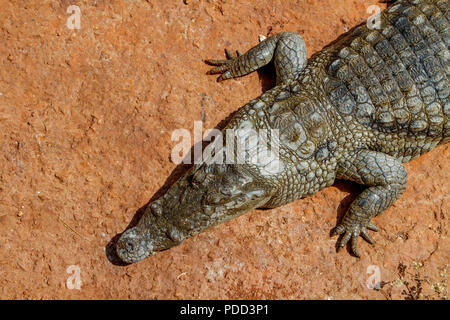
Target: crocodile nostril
<point>129,245</point>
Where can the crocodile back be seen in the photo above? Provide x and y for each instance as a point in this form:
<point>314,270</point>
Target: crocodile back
<point>393,80</point>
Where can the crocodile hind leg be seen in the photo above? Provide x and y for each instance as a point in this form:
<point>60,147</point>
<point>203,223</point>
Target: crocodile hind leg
<point>287,50</point>
<point>385,177</point>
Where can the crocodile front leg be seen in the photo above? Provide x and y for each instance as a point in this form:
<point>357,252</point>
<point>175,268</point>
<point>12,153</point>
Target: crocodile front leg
<point>385,177</point>
<point>287,50</point>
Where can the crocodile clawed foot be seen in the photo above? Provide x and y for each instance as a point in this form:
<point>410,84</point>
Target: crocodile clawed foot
<point>353,231</point>
<point>223,67</point>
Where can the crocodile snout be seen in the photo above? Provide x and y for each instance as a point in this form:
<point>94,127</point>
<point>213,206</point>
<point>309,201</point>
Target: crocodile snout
<point>133,246</point>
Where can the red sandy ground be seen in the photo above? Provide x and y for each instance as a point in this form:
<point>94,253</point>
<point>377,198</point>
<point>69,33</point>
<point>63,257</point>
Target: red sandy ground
<point>86,118</point>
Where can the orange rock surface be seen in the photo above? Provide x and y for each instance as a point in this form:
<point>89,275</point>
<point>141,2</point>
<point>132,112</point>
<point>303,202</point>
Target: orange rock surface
<point>86,117</point>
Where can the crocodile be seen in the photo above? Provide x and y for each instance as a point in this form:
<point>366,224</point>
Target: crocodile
<point>370,101</point>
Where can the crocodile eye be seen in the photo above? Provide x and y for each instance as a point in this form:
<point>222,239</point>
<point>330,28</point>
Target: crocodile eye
<point>213,198</point>
<point>219,169</point>
<point>198,177</point>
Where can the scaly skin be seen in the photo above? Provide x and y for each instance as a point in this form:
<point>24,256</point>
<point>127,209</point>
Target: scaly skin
<point>357,110</point>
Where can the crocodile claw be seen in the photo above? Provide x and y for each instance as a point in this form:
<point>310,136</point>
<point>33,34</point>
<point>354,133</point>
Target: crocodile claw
<point>352,232</point>
<point>223,67</point>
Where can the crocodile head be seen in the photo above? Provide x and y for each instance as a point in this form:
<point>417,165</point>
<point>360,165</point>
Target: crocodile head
<point>206,196</point>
